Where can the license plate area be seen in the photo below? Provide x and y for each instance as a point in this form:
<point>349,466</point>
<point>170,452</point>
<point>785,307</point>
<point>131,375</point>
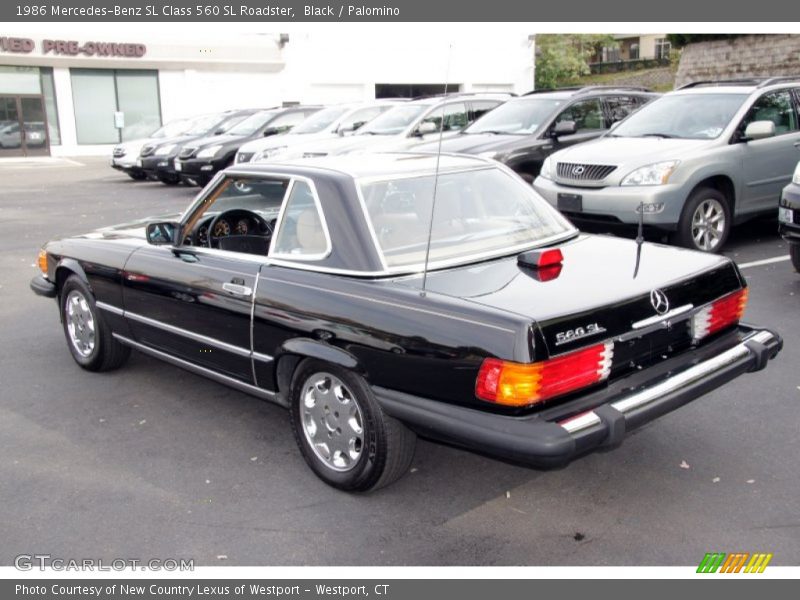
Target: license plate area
<point>570,202</point>
<point>785,215</point>
<point>651,348</point>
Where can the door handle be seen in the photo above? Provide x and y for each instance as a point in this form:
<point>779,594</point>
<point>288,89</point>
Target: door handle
<point>237,290</point>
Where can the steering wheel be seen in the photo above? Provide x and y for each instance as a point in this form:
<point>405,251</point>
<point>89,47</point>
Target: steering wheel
<point>262,222</point>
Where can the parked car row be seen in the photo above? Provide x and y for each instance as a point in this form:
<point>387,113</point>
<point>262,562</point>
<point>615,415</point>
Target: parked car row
<point>690,164</point>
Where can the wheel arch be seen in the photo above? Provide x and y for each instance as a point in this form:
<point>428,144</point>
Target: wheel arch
<point>296,351</point>
<point>67,267</point>
<point>723,184</point>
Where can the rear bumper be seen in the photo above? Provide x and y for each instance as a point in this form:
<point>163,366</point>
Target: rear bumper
<point>555,436</point>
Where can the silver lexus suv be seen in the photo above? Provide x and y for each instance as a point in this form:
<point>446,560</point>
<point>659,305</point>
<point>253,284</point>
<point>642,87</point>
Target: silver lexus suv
<point>693,162</point>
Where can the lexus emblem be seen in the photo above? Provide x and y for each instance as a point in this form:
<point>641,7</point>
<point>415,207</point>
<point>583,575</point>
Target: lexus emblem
<point>659,301</point>
<point>578,170</point>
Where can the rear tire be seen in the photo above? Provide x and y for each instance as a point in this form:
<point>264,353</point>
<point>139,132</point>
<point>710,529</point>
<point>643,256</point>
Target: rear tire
<point>794,253</point>
<point>343,434</point>
<point>705,221</point>
<point>88,336</point>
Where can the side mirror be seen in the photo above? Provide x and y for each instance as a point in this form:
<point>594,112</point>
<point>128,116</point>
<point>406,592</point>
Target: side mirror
<point>272,131</point>
<point>345,130</point>
<point>564,128</point>
<point>219,131</point>
<point>426,127</point>
<point>163,234</point>
<point>758,130</point>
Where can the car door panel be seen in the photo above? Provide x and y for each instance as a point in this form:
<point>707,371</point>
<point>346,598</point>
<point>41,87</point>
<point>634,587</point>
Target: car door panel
<point>193,303</point>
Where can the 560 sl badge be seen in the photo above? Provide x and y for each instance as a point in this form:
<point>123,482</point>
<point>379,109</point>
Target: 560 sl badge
<point>571,335</point>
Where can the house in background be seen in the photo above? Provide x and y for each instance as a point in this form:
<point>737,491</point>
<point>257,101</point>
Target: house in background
<point>635,46</point>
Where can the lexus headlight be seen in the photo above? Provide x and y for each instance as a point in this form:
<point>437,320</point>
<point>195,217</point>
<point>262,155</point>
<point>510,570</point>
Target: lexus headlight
<point>165,149</point>
<point>655,174</point>
<point>268,153</point>
<point>209,152</point>
<point>796,177</point>
<point>546,168</point>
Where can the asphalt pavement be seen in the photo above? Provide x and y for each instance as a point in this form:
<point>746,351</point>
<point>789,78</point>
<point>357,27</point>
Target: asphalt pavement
<point>153,462</point>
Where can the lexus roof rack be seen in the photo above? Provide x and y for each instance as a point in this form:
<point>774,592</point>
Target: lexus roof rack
<point>781,79</point>
<point>456,94</point>
<point>754,81</point>
<point>585,89</point>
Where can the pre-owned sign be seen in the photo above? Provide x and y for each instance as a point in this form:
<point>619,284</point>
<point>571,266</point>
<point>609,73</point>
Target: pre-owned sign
<point>73,48</point>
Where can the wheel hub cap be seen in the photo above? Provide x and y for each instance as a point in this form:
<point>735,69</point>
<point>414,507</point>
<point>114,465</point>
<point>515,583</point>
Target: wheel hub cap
<point>80,323</point>
<point>332,422</point>
<point>708,224</point>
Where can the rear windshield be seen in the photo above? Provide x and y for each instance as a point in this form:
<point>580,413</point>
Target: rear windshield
<point>481,212</point>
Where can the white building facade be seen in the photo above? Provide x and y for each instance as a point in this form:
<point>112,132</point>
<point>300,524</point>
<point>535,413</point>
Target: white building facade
<point>78,89</point>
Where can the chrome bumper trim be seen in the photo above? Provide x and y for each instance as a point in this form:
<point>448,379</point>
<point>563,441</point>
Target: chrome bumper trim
<point>674,383</point>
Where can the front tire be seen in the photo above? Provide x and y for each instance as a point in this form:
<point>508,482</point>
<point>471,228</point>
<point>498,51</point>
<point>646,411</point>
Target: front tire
<point>137,175</point>
<point>705,221</point>
<point>343,434</point>
<point>794,253</point>
<point>88,336</point>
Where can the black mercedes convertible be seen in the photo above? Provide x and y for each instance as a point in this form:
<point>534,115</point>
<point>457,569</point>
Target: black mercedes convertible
<point>388,296</point>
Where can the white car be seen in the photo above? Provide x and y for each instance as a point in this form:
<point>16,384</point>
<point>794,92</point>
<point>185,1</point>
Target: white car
<point>125,156</point>
<point>407,125</point>
<point>333,122</point>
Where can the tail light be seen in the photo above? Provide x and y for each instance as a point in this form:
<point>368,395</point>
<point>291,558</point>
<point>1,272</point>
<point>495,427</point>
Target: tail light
<point>720,314</point>
<point>517,384</point>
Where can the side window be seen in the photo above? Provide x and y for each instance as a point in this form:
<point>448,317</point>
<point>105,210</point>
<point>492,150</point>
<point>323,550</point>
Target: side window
<point>288,120</point>
<point>301,232</point>
<point>587,114</point>
<point>620,107</point>
<point>455,117</point>
<point>478,108</point>
<point>362,117</point>
<point>776,107</point>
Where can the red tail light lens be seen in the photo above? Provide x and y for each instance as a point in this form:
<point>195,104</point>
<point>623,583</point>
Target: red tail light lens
<point>517,384</point>
<point>720,314</point>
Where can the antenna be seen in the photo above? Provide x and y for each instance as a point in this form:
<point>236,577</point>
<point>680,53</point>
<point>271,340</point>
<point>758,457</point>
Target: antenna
<point>639,239</point>
<point>436,178</point>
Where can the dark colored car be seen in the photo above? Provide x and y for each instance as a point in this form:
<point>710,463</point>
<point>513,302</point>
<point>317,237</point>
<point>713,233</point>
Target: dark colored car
<point>524,131</point>
<point>158,157</point>
<point>789,217</point>
<point>305,284</point>
<point>199,160</point>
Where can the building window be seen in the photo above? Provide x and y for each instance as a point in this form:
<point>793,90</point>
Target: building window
<point>634,52</point>
<point>50,106</point>
<point>663,48</point>
<point>610,54</point>
<point>98,94</point>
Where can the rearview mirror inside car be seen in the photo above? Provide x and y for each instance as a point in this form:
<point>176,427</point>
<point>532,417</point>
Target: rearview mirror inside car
<point>758,130</point>
<point>564,128</point>
<point>163,233</point>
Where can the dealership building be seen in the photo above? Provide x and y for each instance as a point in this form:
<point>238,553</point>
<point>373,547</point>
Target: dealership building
<point>78,89</point>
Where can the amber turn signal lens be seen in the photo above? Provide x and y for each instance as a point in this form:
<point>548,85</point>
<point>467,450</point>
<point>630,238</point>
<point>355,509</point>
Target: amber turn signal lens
<point>42,261</point>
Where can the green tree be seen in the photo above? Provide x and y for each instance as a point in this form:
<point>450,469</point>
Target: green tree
<point>563,58</point>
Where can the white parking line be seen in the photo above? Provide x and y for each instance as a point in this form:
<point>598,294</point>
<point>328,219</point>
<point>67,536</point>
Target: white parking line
<point>766,261</point>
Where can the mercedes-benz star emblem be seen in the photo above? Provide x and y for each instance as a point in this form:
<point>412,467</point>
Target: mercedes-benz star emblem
<point>578,170</point>
<point>659,301</point>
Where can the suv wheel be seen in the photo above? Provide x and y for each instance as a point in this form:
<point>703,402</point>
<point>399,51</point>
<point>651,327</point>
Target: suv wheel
<point>705,222</point>
<point>794,252</point>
